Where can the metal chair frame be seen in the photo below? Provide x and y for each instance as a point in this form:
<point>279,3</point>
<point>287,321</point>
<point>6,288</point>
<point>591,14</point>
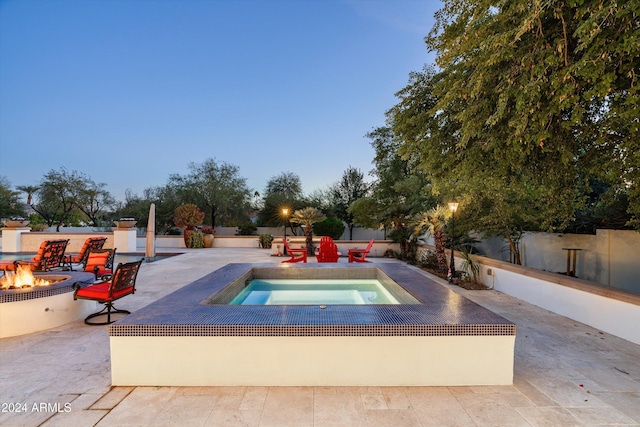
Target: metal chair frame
<point>124,277</point>
<point>92,243</point>
<point>50,255</point>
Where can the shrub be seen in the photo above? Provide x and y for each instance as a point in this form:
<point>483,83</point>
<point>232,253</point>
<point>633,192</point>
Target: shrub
<point>207,229</point>
<point>470,266</point>
<point>428,259</point>
<point>331,227</point>
<point>266,240</point>
<point>173,231</point>
<point>188,216</point>
<point>247,230</point>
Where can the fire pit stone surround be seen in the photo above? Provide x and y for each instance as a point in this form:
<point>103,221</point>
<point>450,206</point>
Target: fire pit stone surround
<point>34,309</point>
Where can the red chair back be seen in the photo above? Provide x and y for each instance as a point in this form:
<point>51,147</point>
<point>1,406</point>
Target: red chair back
<point>92,243</point>
<point>50,255</point>
<point>369,246</point>
<point>123,281</point>
<point>328,251</point>
<point>100,262</point>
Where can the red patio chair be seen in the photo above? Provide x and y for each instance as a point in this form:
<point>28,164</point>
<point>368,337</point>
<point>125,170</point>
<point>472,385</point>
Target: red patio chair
<point>360,255</point>
<point>121,284</point>
<point>50,255</point>
<point>327,251</point>
<point>81,257</point>
<point>100,263</point>
<point>296,255</point>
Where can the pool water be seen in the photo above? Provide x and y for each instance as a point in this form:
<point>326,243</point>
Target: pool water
<point>314,291</point>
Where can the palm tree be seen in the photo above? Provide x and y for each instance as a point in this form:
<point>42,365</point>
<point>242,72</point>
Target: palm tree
<point>307,217</point>
<point>29,189</point>
<point>433,222</point>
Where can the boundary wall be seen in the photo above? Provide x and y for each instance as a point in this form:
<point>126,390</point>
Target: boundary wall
<point>30,242</point>
<point>609,309</point>
<point>610,257</point>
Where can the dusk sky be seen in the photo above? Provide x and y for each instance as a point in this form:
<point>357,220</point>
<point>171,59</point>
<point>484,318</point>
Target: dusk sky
<point>131,91</point>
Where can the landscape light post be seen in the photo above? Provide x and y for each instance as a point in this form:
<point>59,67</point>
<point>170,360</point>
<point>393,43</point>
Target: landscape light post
<point>285,214</point>
<point>453,207</point>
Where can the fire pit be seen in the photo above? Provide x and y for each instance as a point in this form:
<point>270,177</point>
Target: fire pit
<point>35,306</point>
<point>23,278</point>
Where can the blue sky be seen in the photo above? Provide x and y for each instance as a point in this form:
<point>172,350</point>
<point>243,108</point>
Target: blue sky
<point>131,91</point>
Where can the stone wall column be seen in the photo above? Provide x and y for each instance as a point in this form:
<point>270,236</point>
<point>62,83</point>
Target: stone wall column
<point>124,239</point>
<point>11,238</point>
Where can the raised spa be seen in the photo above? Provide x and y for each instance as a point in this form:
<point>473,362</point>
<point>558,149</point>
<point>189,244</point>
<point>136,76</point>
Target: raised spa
<point>195,337</point>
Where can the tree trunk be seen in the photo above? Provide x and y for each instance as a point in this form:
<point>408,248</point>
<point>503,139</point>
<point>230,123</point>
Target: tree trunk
<point>403,248</point>
<point>514,250</point>
<point>438,237</point>
<point>308,232</point>
<point>213,216</point>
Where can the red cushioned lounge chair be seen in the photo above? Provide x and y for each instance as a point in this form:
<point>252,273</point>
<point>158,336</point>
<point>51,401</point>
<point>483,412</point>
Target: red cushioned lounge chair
<point>121,284</point>
<point>81,257</point>
<point>296,255</point>
<point>360,255</point>
<point>50,255</point>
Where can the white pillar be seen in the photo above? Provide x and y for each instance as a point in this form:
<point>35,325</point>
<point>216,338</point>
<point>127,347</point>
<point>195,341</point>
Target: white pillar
<point>124,239</point>
<point>11,238</point>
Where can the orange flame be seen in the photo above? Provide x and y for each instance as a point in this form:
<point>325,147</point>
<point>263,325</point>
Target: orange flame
<point>21,278</point>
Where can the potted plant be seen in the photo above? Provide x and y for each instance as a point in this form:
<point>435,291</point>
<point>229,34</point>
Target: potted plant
<point>208,234</point>
<point>187,216</point>
<point>265,241</point>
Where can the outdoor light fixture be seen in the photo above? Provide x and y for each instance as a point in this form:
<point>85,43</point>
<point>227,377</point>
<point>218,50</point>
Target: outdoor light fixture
<point>285,214</point>
<point>453,207</point>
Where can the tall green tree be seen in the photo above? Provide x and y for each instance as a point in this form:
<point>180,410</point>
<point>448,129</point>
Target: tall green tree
<point>350,188</point>
<point>94,201</point>
<point>218,189</point>
<point>61,197</point>
<point>287,184</point>
<point>532,100</point>
<point>282,191</point>
<point>9,200</point>
<point>400,189</point>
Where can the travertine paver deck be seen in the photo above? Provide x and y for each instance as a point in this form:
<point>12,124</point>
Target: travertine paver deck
<point>566,374</point>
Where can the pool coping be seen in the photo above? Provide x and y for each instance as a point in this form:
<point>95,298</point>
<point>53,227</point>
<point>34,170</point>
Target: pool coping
<point>185,312</point>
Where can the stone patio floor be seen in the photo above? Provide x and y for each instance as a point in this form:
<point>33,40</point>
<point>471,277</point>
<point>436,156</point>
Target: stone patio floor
<point>566,374</point>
